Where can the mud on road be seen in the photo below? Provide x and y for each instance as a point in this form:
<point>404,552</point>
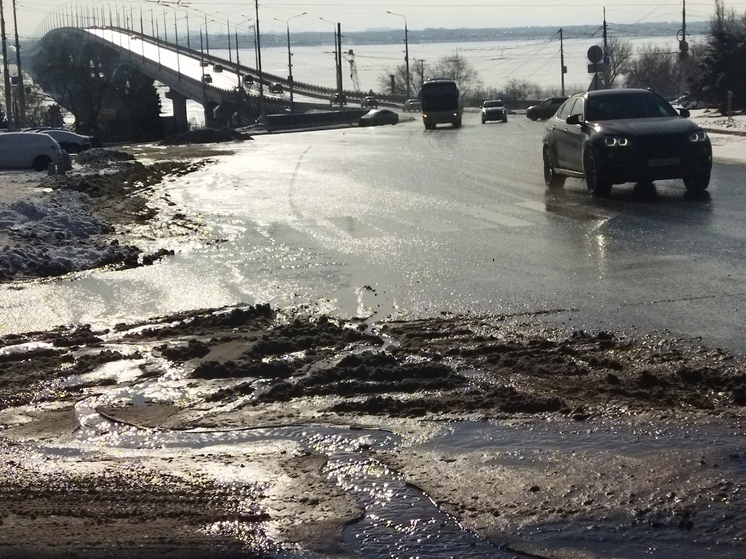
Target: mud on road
<point>254,367</point>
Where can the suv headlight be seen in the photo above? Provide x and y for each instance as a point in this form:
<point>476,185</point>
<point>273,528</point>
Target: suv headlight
<point>616,141</point>
<point>698,136</point>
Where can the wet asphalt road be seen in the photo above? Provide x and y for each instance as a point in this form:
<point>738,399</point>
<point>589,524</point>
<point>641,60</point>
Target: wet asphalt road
<point>399,222</point>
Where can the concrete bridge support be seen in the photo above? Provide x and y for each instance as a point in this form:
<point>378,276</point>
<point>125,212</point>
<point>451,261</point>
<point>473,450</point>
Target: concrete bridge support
<point>180,111</point>
<point>210,119</point>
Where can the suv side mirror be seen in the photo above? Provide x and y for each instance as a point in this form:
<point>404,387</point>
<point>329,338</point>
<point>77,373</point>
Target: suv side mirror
<point>685,113</point>
<point>574,119</point>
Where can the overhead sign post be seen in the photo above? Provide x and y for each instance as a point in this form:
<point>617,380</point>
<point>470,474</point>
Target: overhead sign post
<point>596,67</point>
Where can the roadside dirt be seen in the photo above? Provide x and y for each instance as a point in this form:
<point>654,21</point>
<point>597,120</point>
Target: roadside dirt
<point>253,367</point>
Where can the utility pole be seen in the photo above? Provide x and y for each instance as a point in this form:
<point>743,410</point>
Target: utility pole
<point>290,57</point>
<point>21,116</point>
<point>262,105</point>
<point>340,89</point>
<point>6,74</point>
<point>607,72</point>
<point>563,68</point>
<point>683,45</point>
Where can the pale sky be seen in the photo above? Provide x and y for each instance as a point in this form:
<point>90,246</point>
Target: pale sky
<point>357,15</point>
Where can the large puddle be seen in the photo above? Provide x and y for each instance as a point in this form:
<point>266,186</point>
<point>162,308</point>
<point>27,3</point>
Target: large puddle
<point>402,522</point>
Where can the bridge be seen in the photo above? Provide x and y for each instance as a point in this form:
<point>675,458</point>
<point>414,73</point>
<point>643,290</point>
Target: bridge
<point>231,94</point>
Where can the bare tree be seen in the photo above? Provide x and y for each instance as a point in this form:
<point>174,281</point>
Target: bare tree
<point>417,74</point>
<point>520,90</point>
<point>656,68</point>
<point>620,54</point>
<point>459,69</point>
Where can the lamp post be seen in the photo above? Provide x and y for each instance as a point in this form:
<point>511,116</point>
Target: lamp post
<point>406,49</point>
<point>228,22</point>
<point>290,56</point>
<point>238,63</point>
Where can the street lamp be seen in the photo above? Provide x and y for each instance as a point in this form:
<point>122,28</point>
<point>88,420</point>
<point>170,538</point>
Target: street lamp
<point>406,49</point>
<point>238,63</point>
<point>228,21</point>
<point>290,56</point>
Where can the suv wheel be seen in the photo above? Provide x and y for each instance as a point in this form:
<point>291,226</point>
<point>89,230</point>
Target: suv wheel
<point>597,183</point>
<point>698,182</point>
<point>551,178</point>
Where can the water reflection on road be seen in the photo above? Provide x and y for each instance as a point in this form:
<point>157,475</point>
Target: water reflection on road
<point>401,521</point>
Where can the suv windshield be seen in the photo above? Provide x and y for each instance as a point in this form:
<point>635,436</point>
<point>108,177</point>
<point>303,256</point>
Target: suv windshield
<point>628,105</point>
<point>493,104</point>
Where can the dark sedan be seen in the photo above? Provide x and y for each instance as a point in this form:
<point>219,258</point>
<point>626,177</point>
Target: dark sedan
<point>545,109</point>
<point>377,117</point>
<point>624,135</point>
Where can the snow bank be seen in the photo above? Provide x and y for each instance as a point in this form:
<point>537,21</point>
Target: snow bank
<point>56,236</point>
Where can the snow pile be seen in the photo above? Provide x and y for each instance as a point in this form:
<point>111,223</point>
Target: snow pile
<point>715,122</point>
<point>102,156</point>
<point>205,136</point>
<point>56,237</point>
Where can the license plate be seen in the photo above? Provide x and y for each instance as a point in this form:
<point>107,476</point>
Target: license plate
<point>664,162</point>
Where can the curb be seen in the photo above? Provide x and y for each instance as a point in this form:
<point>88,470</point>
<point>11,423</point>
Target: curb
<point>725,131</point>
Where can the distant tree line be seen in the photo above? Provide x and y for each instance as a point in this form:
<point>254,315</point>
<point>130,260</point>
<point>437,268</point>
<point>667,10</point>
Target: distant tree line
<point>395,35</point>
<point>705,71</point>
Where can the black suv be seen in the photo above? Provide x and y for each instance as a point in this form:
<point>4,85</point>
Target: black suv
<point>624,135</point>
<point>493,109</point>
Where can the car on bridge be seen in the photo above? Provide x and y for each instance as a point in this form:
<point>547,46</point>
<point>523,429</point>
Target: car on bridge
<point>369,102</point>
<point>276,88</point>
<point>337,98</point>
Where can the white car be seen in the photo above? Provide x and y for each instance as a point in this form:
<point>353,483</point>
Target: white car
<point>28,150</point>
<point>69,141</point>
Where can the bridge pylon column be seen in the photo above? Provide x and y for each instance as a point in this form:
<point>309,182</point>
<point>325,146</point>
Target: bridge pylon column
<point>180,111</point>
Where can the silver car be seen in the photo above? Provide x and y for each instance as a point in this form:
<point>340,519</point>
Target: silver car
<point>28,150</point>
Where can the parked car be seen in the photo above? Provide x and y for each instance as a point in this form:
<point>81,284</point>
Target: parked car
<point>337,99</point>
<point>276,88</point>
<point>370,102</point>
<point>614,136</point>
<point>69,141</point>
<point>493,109</point>
<point>545,109</point>
<point>413,105</point>
<point>377,117</point>
<point>28,150</point>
